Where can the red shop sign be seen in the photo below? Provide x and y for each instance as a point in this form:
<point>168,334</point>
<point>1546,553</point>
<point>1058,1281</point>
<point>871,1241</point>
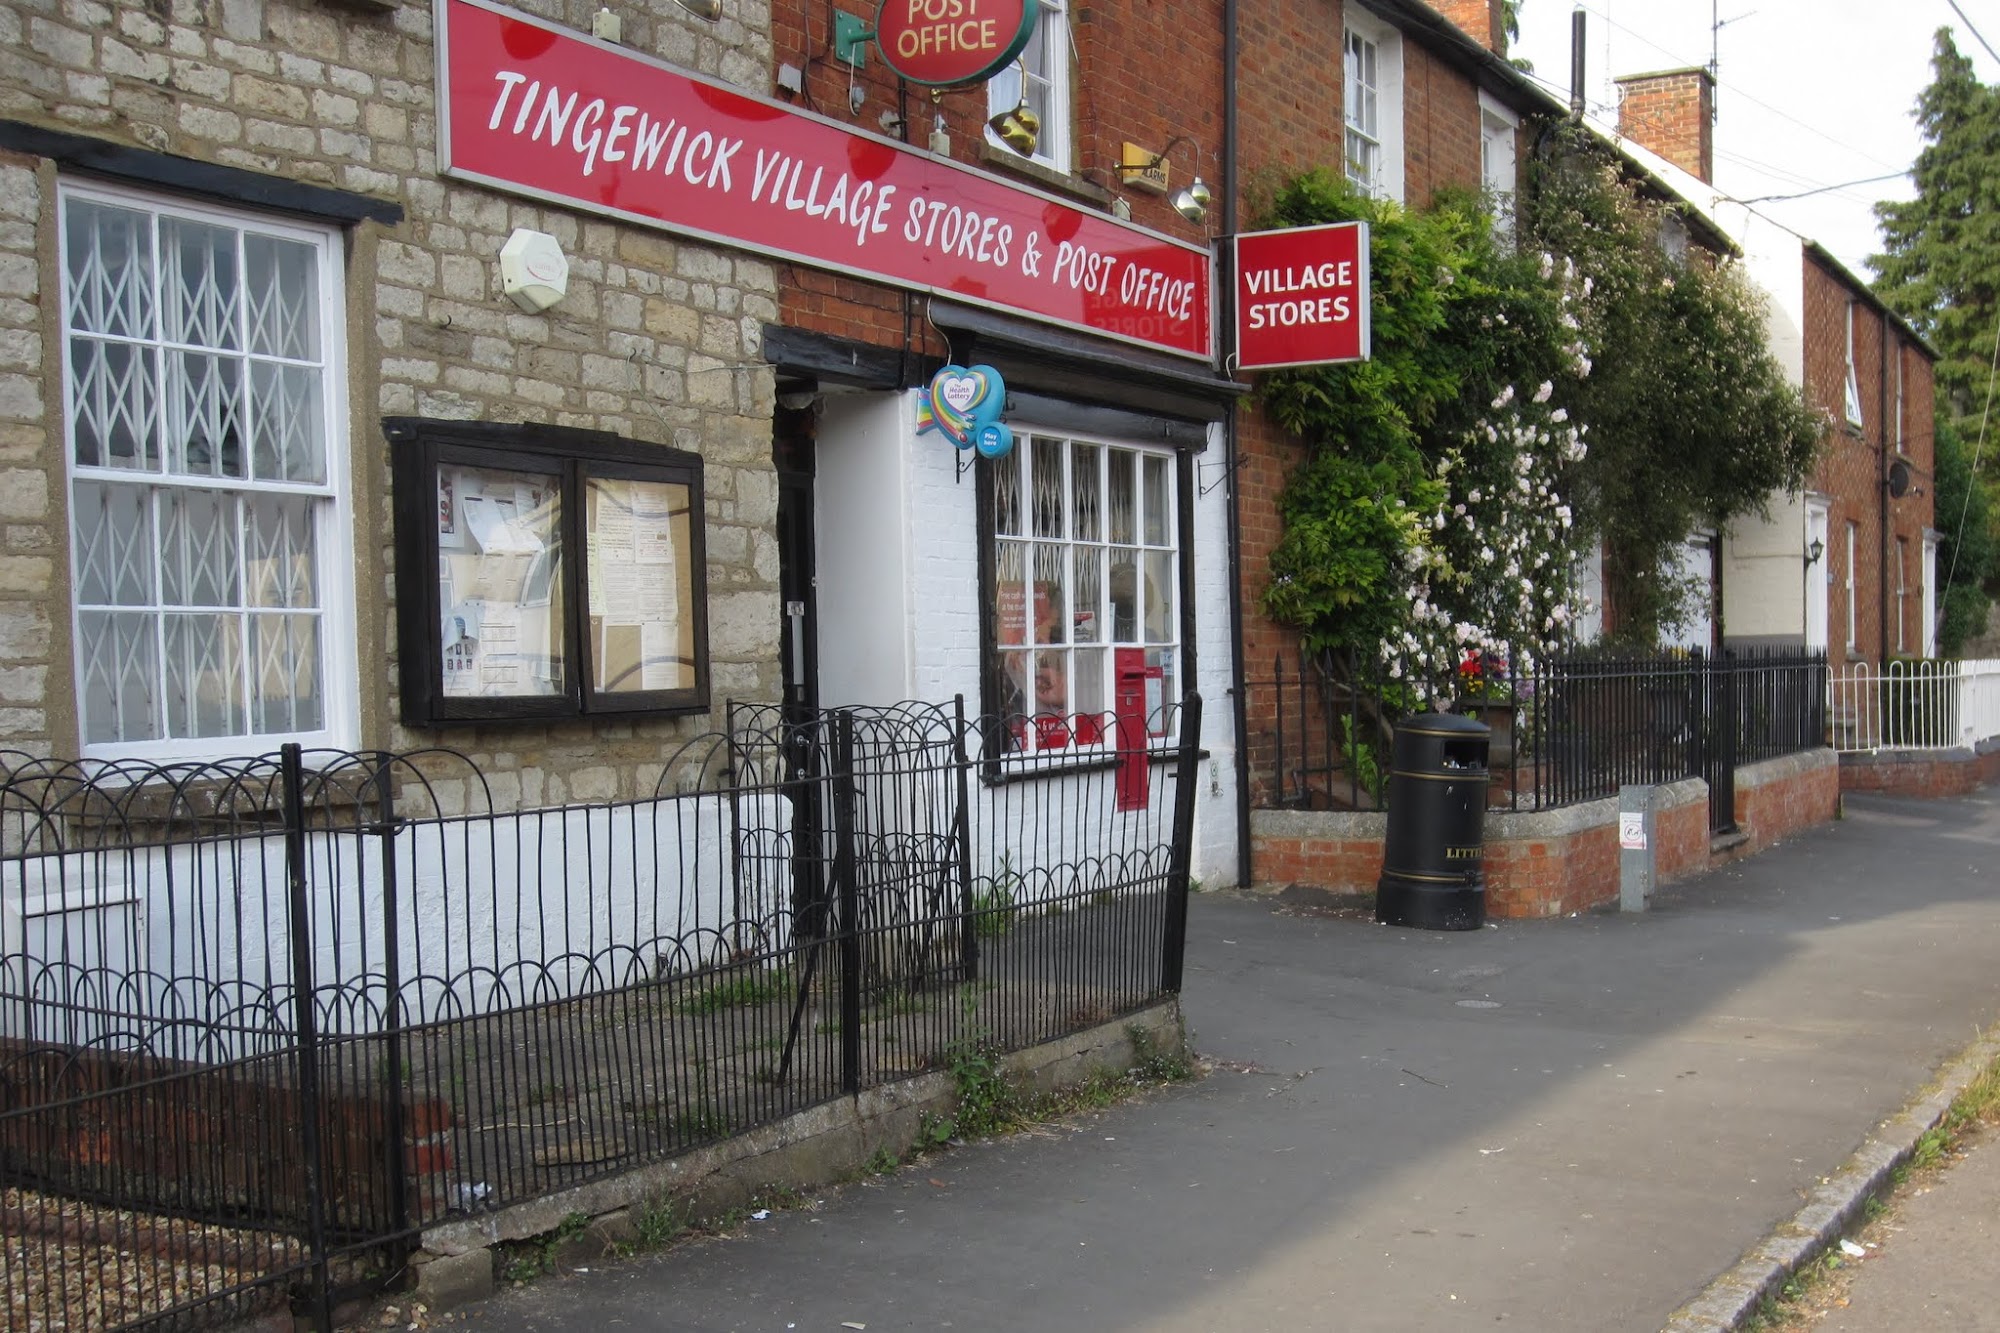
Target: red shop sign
<point>948,42</point>
<point>534,109</point>
<point>1302,296</point>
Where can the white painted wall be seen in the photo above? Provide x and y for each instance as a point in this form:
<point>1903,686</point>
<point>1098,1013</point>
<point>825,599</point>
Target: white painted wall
<point>923,555</point>
<point>865,551</point>
<point>1763,575</point>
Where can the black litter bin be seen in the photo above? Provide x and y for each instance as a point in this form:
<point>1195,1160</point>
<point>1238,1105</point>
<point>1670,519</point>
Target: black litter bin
<point>1432,857</point>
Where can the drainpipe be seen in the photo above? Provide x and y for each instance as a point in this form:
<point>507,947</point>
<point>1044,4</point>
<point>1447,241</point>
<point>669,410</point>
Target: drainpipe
<point>1226,308</point>
<point>1882,488</point>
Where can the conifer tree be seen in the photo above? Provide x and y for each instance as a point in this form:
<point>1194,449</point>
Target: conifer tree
<point>1941,271</point>
<point>1941,263</point>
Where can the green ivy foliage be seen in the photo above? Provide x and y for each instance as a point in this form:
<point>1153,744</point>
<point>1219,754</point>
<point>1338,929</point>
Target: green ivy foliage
<point>1692,421</point>
<point>1454,317</point>
<point>1966,551</point>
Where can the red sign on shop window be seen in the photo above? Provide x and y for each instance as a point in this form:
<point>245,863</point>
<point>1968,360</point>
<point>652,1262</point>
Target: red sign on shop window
<point>1302,296</point>
<point>538,110</point>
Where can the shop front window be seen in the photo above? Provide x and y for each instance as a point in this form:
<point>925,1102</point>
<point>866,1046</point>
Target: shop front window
<point>1086,583</point>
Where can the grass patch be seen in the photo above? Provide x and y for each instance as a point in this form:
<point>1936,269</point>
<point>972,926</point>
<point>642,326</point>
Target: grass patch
<point>526,1260</point>
<point>760,987</point>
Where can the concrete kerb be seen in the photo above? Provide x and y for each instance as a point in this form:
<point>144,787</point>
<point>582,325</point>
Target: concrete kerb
<point>1832,1209</point>
<point>819,1146</point>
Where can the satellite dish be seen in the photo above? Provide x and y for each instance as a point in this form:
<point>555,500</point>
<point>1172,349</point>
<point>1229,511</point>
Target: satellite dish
<point>1899,479</point>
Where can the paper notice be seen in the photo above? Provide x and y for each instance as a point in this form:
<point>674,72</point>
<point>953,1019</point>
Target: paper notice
<point>1632,831</point>
<point>660,665</point>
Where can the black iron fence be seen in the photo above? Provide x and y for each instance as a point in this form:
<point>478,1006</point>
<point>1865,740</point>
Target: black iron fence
<point>263,1022</point>
<point>1564,731</point>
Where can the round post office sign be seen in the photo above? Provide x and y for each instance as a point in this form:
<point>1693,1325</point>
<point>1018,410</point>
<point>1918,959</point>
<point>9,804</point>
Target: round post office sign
<point>943,43</point>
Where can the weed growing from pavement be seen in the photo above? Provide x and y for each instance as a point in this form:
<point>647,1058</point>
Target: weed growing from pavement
<point>987,1103</point>
<point>1813,1286</point>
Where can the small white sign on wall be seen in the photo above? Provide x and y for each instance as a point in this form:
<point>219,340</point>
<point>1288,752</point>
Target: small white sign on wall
<point>1632,830</point>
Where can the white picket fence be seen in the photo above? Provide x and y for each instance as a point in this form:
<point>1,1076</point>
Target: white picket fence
<point>1921,705</point>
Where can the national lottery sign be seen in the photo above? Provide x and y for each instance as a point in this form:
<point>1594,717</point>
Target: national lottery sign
<point>535,109</point>
<point>1302,296</point>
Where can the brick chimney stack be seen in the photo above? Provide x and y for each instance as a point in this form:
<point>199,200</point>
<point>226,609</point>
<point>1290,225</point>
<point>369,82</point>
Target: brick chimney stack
<point>1671,113</point>
<point>1478,19</point>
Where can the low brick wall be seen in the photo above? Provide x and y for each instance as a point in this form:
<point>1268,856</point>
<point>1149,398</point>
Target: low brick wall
<point>1954,772</point>
<point>1780,797</point>
<point>1554,862</point>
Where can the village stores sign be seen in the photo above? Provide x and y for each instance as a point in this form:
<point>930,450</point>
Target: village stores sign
<point>1302,296</point>
<point>540,110</point>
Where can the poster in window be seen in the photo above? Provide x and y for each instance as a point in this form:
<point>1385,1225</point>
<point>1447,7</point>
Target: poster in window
<point>636,540</point>
<point>499,543</point>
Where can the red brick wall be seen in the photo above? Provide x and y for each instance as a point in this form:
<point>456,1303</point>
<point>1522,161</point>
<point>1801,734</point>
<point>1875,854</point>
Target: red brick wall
<point>128,1127</point>
<point>1531,875</point>
<point>1851,463</point>
<point>1919,773</point>
<point>1288,90</point>
<point>1440,126</point>
<point>1134,78</point>
<point>1672,114</point>
<point>1478,19</point>
<point>1770,811</point>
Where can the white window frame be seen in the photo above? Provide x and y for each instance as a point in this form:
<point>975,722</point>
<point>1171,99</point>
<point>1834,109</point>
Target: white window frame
<point>1499,164</point>
<point>1902,443</point>
<point>338,669</point>
<point>1902,591</point>
<point>1028,641</point>
<point>1003,90</point>
<point>1386,181</point>
<point>1930,606</point>
<point>1853,617</point>
<point>1853,404</point>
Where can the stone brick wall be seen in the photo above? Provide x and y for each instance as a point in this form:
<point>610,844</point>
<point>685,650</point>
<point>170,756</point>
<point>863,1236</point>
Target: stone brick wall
<point>658,339</point>
<point>33,624</point>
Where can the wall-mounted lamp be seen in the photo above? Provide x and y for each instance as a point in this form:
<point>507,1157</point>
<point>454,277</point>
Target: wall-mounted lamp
<point>1814,551</point>
<point>607,26</point>
<point>1149,172</point>
<point>703,9</point>
<point>1020,129</point>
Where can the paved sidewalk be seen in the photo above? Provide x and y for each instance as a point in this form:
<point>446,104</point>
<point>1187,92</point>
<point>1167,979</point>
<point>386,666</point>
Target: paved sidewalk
<point>1940,1268</point>
<point>1562,1125</point>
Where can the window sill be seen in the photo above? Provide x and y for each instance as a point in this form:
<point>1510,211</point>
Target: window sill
<point>1011,162</point>
<point>1015,767</point>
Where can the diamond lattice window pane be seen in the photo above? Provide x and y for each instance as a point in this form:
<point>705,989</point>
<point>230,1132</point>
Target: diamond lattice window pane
<point>198,286</point>
<point>285,682</point>
<point>198,547</point>
<point>114,544</point>
<point>120,670</point>
<point>110,266</point>
<point>287,424</point>
<point>282,292</point>
<point>204,675</point>
<point>112,397</point>
<point>204,414</point>
<point>282,561</point>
